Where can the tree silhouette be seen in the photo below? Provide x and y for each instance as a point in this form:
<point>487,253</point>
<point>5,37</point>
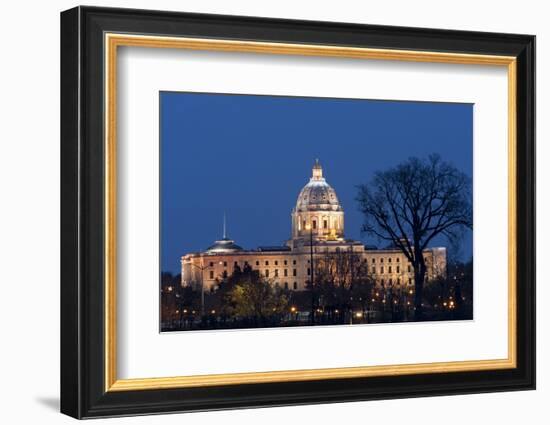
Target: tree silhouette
<point>412,203</point>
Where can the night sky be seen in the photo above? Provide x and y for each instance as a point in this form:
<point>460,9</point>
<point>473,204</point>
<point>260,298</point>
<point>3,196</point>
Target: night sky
<point>250,156</point>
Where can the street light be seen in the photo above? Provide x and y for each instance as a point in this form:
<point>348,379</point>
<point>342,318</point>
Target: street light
<point>202,269</point>
<point>310,228</point>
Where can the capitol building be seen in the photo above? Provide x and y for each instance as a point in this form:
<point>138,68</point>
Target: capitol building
<point>317,230</point>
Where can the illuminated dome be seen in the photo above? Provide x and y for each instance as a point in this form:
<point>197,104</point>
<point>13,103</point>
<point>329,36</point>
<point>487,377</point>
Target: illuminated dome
<point>318,209</point>
<point>224,245</point>
<point>317,195</point>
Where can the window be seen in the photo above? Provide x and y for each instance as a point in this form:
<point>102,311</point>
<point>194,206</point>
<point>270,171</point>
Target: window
<point>224,274</point>
<point>325,224</point>
<point>382,282</point>
<point>211,264</point>
<point>409,268</point>
<point>276,263</point>
<point>225,263</point>
<point>257,263</point>
<point>286,262</point>
<point>294,272</point>
<point>286,285</point>
<point>373,261</point>
<point>211,274</point>
<point>398,281</point>
<point>314,224</point>
<point>294,262</point>
<point>397,260</point>
<point>382,269</point>
<point>286,272</point>
<point>389,269</point>
<point>267,263</point>
<point>390,282</point>
<point>389,260</point>
<point>235,264</point>
<point>308,271</point>
<point>398,269</point>
<point>410,281</point>
<point>295,285</point>
<point>381,260</point>
<point>304,224</point>
<point>266,273</point>
<point>276,272</point>
<point>373,270</point>
<point>246,263</point>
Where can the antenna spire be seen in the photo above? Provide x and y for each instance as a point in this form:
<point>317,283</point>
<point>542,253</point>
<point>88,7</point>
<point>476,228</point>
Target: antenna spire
<point>224,227</point>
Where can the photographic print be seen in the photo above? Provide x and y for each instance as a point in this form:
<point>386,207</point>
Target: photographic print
<point>280,211</point>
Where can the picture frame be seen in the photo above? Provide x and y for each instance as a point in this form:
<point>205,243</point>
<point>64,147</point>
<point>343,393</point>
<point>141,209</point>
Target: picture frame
<point>90,39</point>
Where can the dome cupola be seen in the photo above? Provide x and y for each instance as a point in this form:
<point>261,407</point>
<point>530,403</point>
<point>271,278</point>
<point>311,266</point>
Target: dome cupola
<point>318,210</point>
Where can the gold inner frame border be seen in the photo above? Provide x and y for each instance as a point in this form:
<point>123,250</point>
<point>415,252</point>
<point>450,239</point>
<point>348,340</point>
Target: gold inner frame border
<point>113,40</point>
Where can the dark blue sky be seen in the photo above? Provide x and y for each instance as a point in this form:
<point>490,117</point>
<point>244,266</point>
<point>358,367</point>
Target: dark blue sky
<point>250,155</point>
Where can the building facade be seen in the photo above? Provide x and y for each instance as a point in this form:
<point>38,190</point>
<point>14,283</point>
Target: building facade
<point>318,233</point>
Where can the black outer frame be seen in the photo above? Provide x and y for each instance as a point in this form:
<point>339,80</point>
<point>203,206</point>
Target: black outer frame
<point>82,219</point>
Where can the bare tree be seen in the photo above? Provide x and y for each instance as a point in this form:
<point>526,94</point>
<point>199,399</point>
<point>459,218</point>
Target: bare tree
<point>342,280</point>
<point>412,203</point>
